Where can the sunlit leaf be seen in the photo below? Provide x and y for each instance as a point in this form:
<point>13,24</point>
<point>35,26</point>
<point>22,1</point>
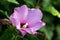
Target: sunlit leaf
<point>52,10</point>
<point>13,1</point>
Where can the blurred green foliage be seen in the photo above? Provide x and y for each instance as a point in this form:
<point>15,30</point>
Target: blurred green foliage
<point>51,15</point>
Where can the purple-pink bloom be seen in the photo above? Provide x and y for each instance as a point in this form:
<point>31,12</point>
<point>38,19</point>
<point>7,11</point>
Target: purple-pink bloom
<point>27,20</point>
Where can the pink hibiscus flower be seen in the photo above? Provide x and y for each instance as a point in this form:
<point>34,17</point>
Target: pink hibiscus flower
<point>27,20</point>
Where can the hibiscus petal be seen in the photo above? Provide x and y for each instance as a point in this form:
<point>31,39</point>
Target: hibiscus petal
<point>37,26</point>
<point>22,32</point>
<point>15,20</point>
<point>34,15</point>
<point>22,12</point>
<point>19,16</point>
<point>28,30</point>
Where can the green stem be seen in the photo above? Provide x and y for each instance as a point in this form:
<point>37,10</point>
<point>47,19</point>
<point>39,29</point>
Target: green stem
<point>36,6</point>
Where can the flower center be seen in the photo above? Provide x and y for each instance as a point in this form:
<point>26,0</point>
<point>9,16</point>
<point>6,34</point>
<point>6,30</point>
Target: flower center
<point>24,25</point>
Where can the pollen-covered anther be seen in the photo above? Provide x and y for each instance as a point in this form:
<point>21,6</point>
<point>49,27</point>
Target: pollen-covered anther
<point>25,25</point>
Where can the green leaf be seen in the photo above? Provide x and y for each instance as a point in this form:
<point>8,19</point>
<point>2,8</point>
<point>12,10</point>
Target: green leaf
<point>31,2</point>
<point>52,10</point>
<point>48,18</point>
<point>4,13</point>
<point>13,1</point>
<point>48,30</point>
<point>7,35</point>
<point>47,6</point>
<point>5,4</point>
<point>8,5</point>
<point>46,3</point>
<point>31,37</point>
<point>58,31</point>
<point>18,37</point>
<point>56,2</point>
